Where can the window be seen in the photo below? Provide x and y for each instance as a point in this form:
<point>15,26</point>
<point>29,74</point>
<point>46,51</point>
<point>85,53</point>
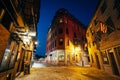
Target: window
<point>95,22</point>
<point>92,59</point>
<point>8,51</point>
<point>67,32</point>
<point>52,44</point>
<point>119,13</point>
<point>6,20</point>
<point>105,58</point>
<point>117,6</point>
<point>60,31</point>
<point>55,32</point>
<point>61,20</point>
<point>76,42</point>
<point>98,36</point>
<point>103,8</point>
<point>117,51</point>
<point>13,56</point>
<point>92,32</point>
<point>68,43</point>
<point>75,35</point>
<point>87,34</point>
<point>66,21</point>
<point>89,44</point>
<point>2,12</point>
<point>55,43</point>
<point>83,38</point>
<point>61,42</point>
<point>110,24</point>
<point>93,43</point>
<point>16,3</point>
<point>61,56</point>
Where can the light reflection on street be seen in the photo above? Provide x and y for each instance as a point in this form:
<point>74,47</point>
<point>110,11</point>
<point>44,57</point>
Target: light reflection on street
<point>38,65</point>
<point>66,73</point>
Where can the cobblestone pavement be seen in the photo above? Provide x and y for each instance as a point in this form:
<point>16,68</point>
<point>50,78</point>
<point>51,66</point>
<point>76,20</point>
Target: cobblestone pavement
<point>67,73</point>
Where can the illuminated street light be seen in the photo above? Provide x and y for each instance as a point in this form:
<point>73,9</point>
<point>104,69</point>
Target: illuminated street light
<point>32,34</point>
<point>36,42</point>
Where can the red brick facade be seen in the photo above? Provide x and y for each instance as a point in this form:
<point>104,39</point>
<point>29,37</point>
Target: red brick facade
<point>65,33</point>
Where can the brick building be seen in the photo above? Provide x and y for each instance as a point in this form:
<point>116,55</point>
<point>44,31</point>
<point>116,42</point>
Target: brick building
<point>65,40</point>
<point>103,37</point>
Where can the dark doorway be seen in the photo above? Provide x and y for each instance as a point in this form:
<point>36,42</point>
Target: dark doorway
<point>97,60</point>
<point>68,57</point>
<point>113,64</point>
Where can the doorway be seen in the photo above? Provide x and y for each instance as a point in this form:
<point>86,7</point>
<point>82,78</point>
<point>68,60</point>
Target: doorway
<point>68,58</point>
<point>97,61</point>
<point>113,63</point>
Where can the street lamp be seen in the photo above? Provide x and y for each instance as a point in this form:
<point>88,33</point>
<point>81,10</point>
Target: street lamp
<point>36,42</point>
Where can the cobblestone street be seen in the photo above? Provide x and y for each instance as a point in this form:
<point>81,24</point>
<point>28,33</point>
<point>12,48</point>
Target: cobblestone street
<point>66,73</point>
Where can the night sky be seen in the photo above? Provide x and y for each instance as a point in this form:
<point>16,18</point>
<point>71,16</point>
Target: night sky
<point>81,9</point>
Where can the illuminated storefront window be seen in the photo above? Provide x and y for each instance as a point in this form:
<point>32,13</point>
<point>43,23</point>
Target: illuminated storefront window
<point>61,57</point>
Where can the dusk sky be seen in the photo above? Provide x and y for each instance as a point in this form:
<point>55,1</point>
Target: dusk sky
<point>81,9</point>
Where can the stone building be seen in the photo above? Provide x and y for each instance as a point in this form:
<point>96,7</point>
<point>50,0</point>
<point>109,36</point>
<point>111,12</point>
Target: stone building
<point>18,21</point>
<point>65,40</point>
<point>103,37</point>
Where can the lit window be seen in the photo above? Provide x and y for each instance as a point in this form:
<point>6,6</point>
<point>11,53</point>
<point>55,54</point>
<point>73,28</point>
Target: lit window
<point>76,43</point>
<point>61,42</point>
<point>61,20</point>
<point>66,21</point>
